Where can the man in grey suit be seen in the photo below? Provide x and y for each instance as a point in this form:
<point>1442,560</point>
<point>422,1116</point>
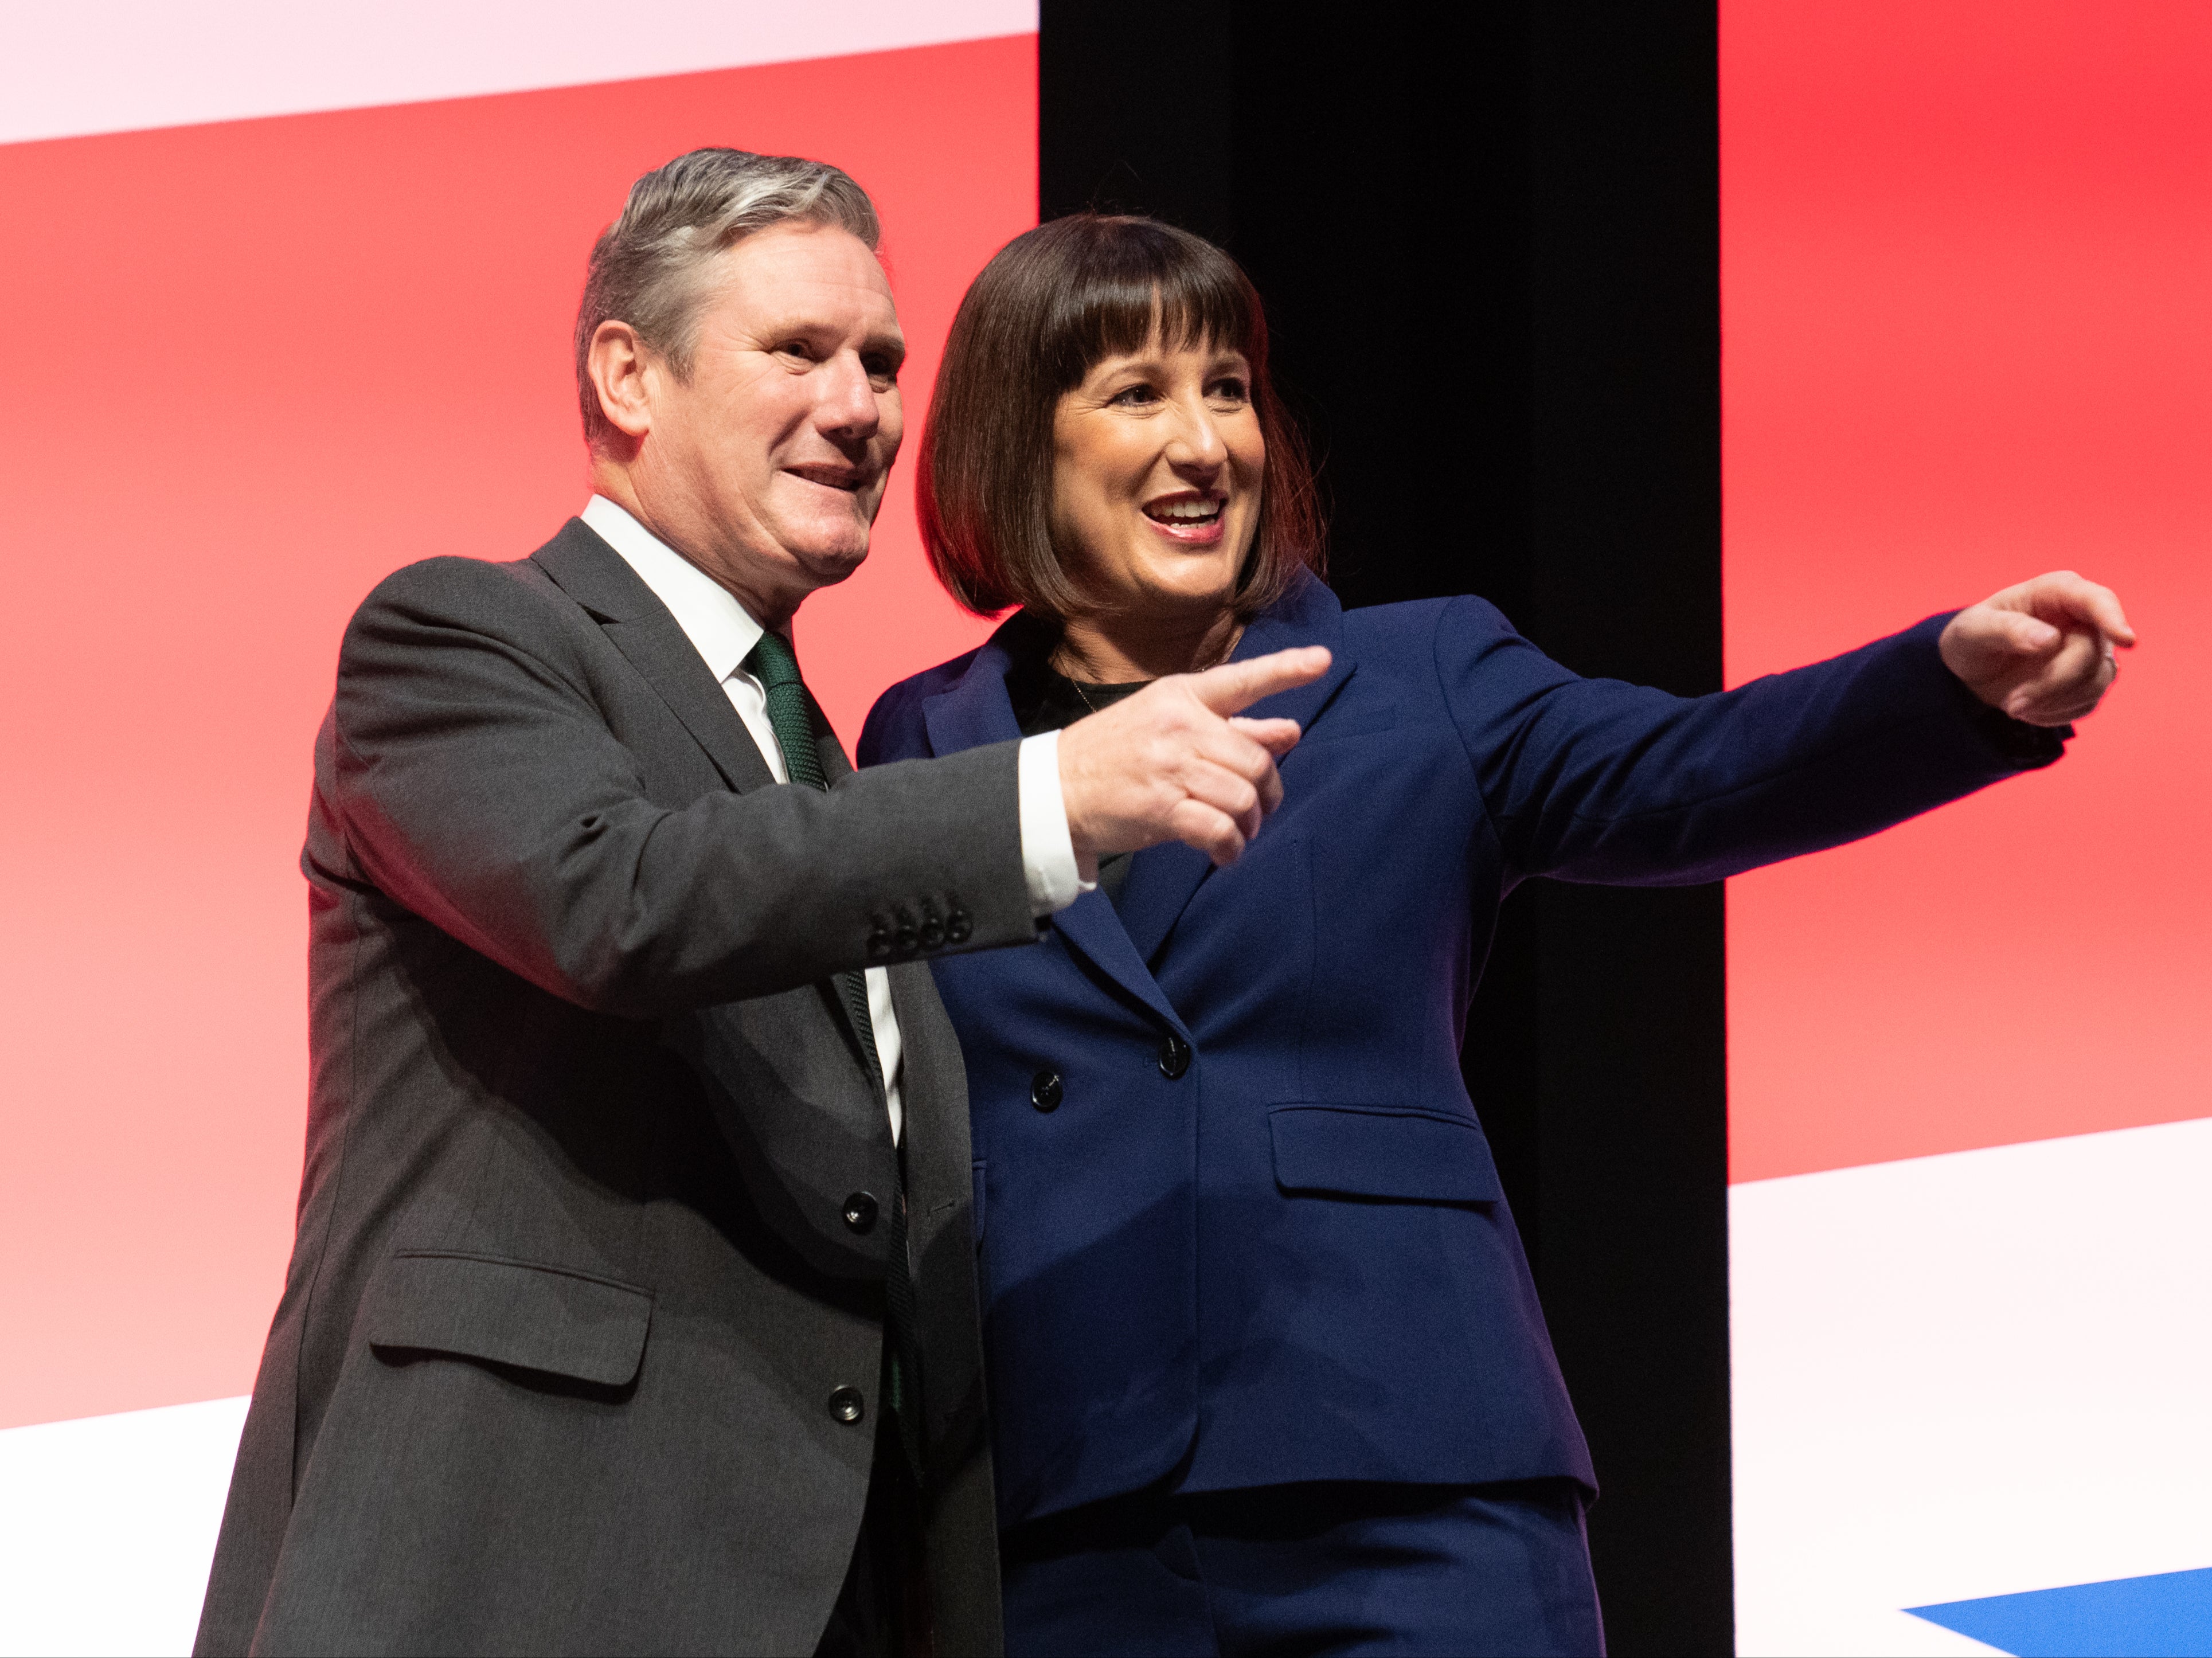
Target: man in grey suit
<point>633,1307</point>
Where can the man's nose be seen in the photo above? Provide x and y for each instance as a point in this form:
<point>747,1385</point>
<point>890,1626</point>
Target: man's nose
<point>847,406</point>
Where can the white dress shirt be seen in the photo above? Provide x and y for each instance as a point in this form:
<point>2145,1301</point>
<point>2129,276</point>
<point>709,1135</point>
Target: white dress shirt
<point>724,636</point>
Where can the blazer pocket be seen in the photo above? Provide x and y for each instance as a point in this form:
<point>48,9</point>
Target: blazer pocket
<point>510,1312</point>
<point>1368,718</point>
<point>1383,1151</point>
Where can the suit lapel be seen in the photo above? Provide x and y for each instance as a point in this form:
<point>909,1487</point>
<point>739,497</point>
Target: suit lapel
<point>638,626</point>
<point>975,709</point>
<point>827,748</point>
<point>1164,879</point>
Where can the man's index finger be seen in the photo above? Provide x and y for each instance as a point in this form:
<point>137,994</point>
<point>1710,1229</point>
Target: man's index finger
<point>1235,686</point>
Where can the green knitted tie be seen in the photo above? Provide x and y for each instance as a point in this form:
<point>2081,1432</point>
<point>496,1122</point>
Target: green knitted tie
<point>790,709</point>
<point>791,716</point>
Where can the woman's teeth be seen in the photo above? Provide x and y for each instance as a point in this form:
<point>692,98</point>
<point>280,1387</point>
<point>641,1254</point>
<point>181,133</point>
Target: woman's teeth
<point>1185,512</point>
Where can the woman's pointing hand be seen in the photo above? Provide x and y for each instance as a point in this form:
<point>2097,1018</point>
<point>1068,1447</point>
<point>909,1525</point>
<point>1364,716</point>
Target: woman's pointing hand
<point>2042,651</point>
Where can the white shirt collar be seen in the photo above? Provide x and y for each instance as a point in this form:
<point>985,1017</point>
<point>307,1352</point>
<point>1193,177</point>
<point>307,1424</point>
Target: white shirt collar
<point>711,618</point>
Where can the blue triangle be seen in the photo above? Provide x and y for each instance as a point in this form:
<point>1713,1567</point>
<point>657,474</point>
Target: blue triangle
<point>2167,1616</point>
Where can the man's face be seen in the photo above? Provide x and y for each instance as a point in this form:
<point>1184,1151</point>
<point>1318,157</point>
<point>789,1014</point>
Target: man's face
<point>767,466</point>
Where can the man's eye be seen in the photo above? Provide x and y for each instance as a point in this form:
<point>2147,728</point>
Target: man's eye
<point>799,349</point>
<point>881,368</point>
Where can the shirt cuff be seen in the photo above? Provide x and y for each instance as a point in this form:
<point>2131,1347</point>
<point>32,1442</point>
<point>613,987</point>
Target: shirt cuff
<point>1047,851</point>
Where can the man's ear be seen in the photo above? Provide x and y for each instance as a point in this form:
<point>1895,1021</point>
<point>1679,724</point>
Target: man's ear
<point>623,371</point>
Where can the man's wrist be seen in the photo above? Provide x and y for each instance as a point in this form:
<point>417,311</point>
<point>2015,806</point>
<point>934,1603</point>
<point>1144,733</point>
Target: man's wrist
<point>1048,862</point>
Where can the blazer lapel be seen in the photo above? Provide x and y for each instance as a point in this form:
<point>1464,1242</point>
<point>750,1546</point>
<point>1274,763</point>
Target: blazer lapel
<point>1164,879</point>
<point>975,709</point>
<point>639,625</point>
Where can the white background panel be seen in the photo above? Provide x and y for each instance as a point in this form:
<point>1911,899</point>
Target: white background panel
<point>106,1527</point>
<point>1964,1376</point>
<point>114,66</point>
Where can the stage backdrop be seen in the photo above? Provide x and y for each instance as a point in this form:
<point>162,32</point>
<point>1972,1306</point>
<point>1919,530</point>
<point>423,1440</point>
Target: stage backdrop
<point>1967,280</point>
<point>291,290</point>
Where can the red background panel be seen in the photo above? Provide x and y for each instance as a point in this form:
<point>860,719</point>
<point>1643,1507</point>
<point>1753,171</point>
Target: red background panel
<point>1967,315</point>
<point>256,366</point>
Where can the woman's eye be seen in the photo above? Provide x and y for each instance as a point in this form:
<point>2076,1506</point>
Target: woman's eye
<point>1230,389</point>
<point>1133,396</point>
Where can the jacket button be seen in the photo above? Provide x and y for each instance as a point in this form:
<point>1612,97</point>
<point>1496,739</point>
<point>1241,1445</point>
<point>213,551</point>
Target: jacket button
<point>957,927</point>
<point>1045,1090</point>
<point>1174,1058</point>
<point>846,1404</point>
<point>860,1212</point>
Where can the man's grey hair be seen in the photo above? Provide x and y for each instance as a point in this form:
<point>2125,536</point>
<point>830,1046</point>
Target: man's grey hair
<point>649,268</point>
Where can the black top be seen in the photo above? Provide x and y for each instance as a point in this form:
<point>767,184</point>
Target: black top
<point>1047,701</point>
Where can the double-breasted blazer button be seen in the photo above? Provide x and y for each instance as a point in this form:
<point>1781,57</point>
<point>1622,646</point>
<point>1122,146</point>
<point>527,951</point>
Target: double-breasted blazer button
<point>860,1212</point>
<point>958,927</point>
<point>1045,1090</point>
<point>846,1404</point>
<point>1174,1058</point>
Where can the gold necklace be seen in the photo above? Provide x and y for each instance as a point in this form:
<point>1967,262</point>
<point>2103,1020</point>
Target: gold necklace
<point>1084,694</point>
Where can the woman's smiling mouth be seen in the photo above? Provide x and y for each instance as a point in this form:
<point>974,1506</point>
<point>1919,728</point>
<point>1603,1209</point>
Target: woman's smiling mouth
<point>1194,520</point>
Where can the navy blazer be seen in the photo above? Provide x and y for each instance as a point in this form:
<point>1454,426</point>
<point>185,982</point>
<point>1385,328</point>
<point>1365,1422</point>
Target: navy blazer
<point>1253,1234</point>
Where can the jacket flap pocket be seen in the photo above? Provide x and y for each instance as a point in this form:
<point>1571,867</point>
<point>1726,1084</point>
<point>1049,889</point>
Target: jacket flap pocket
<point>1383,1151</point>
<point>511,1312</point>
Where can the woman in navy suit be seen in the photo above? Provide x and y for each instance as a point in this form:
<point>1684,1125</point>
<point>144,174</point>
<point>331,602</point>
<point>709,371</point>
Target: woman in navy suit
<point>1266,1368</point>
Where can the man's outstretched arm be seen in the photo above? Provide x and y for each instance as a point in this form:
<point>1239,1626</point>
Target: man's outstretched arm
<point>475,782</point>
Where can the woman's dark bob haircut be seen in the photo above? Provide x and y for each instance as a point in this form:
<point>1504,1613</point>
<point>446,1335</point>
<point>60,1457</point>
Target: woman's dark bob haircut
<point>1051,305</point>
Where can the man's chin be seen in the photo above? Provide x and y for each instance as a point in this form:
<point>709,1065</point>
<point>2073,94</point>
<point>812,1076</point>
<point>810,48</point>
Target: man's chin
<point>827,547</point>
<point>831,565</point>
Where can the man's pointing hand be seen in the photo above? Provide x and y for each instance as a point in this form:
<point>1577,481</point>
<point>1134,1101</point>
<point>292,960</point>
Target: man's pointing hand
<point>1172,763</point>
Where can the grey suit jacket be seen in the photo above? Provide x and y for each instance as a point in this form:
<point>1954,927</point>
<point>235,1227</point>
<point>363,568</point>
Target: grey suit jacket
<point>573,1284</point>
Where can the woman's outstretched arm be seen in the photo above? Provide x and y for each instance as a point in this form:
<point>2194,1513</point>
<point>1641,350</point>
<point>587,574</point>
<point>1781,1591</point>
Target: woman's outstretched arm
<point>1594,779</point>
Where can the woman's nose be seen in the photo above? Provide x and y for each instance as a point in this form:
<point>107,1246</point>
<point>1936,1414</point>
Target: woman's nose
<point>1198,442</point>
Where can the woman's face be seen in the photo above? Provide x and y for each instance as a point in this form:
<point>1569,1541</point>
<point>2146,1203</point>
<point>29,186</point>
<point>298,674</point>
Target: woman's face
<point>1156,478</point>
